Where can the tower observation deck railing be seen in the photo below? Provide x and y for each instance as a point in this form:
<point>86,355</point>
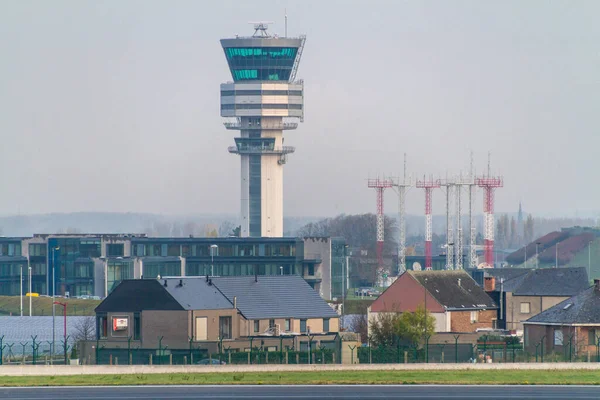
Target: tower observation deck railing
<point>261,150</point>
<point>282,126</point>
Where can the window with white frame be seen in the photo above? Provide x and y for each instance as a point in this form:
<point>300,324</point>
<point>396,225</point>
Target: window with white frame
<point>525,308</point>
<point>558,337</point>
<point>474,316</point>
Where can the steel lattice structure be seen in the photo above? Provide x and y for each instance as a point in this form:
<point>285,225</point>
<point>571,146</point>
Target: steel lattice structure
<point>400,188</point>
<point>428,185</point>
<point>380,185</point>
<point>489,185</point>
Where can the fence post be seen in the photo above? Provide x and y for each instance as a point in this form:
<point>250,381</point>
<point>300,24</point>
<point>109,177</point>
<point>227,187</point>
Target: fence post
<point>184,360</point>
<point>427,348</point>
<point>266,357</point>
<point>150,359</point>
<point>286,356</point>
<point>456,348</point>
<point>405,356</point>
<point>249,357</point>
<point>1,349</point>
<point>442,357</point>
<point>297,358</point>
<point>171,359</point>
<point>110,359</point>
<point>351,353</point>
<point>116,360</point>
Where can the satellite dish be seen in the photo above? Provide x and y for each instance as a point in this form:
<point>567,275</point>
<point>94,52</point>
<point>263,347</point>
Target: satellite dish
<point>416,266</point>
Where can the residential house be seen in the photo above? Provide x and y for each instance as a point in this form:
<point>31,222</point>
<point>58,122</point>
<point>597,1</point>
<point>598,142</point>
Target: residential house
<point>539,290</point>
<point>569,328</point>
<point>497,282</point>
<point>277,311</point>
<point>452,297</point>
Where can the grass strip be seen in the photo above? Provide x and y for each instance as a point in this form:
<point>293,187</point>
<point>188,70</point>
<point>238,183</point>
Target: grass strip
<point>470,377</point>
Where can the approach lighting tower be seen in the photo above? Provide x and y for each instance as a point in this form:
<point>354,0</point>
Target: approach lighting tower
<point>449,186</point>
<point>380,185</point>
<point>262,101</point>
<point>489,184</point>
<point>400,188</point>
<point>428,185</point>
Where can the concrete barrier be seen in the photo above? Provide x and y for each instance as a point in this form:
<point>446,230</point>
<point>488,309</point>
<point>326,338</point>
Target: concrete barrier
<point>56,370</point>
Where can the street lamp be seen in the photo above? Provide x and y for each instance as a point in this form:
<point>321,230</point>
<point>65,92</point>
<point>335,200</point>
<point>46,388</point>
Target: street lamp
<point>212,259</point>
<point>344,284</point>
<point>30,296</point>
<point>54,250</point>
<point>21,288</point>
<point>589,259</point>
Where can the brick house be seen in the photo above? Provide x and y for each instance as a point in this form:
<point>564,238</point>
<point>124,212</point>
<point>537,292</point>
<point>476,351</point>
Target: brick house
<point>569,327</point>
<point>538,290</point>
<point>453,298</point>
<point>236,312</point>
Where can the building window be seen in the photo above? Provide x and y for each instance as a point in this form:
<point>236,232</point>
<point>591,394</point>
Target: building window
<point>592,338</point>
<point>558,337</point>
<point>115,250</point>
<point>137,326</point>
<point>102,326</point>
<point>474,316</point>
<point>225,327</point>
<point>201,328</point>
<point>302,325</point>
<point>525,308</point>
<point>288,324</point>
<point>256,325</point>
<point>325,324</point>
<point>271,323</point>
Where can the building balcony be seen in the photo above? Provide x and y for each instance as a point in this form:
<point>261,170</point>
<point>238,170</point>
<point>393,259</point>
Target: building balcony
<point>261,150</point>
<point>316,278</point>
<point>276,127</point>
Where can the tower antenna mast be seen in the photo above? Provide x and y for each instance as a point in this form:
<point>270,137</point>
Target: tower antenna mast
<point>400,187</point>
<point>380,185</point>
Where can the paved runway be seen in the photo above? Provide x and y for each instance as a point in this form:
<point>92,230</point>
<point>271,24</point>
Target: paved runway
<point>303,392</point>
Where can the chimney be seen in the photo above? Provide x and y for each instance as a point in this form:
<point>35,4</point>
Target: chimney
<point>597,284</point>
<point>235,302</point>
<point>458,281</point>
<point>489,283</point>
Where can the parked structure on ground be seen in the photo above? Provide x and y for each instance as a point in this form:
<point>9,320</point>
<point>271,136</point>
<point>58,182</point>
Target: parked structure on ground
<point>452,297</point>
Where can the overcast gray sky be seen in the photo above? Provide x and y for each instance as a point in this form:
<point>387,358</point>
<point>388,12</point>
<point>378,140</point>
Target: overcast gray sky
<point>114,105</point>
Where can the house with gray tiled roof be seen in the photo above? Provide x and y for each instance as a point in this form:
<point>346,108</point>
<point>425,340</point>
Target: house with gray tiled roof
<point>573,325</point>
<point>453,298</point>
<point>539,290</point>
<point>213,311</point>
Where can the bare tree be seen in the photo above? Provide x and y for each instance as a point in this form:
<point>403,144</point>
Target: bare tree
<point>85,329</point>
<point>360,325</point>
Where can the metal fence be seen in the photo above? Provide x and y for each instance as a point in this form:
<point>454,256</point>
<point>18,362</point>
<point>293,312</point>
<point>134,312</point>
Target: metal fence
<point>257,356</point>
<point>34,351</point>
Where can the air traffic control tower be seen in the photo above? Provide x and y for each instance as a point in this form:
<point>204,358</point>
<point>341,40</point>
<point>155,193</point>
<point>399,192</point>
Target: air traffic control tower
<point>263,101</point>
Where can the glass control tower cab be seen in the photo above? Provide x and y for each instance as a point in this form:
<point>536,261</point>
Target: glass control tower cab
<point>262,101</point>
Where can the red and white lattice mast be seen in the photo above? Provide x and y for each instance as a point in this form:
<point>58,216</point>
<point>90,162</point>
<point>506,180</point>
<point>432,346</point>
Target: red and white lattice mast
<point>489,184</point>
<point>380,185</point>
<point>428,185</point>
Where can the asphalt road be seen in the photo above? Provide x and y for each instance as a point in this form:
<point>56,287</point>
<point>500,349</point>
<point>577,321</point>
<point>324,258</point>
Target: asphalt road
<point>303,392</point>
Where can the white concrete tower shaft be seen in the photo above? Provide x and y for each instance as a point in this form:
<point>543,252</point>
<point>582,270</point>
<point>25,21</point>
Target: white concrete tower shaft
<point>262,102</point>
